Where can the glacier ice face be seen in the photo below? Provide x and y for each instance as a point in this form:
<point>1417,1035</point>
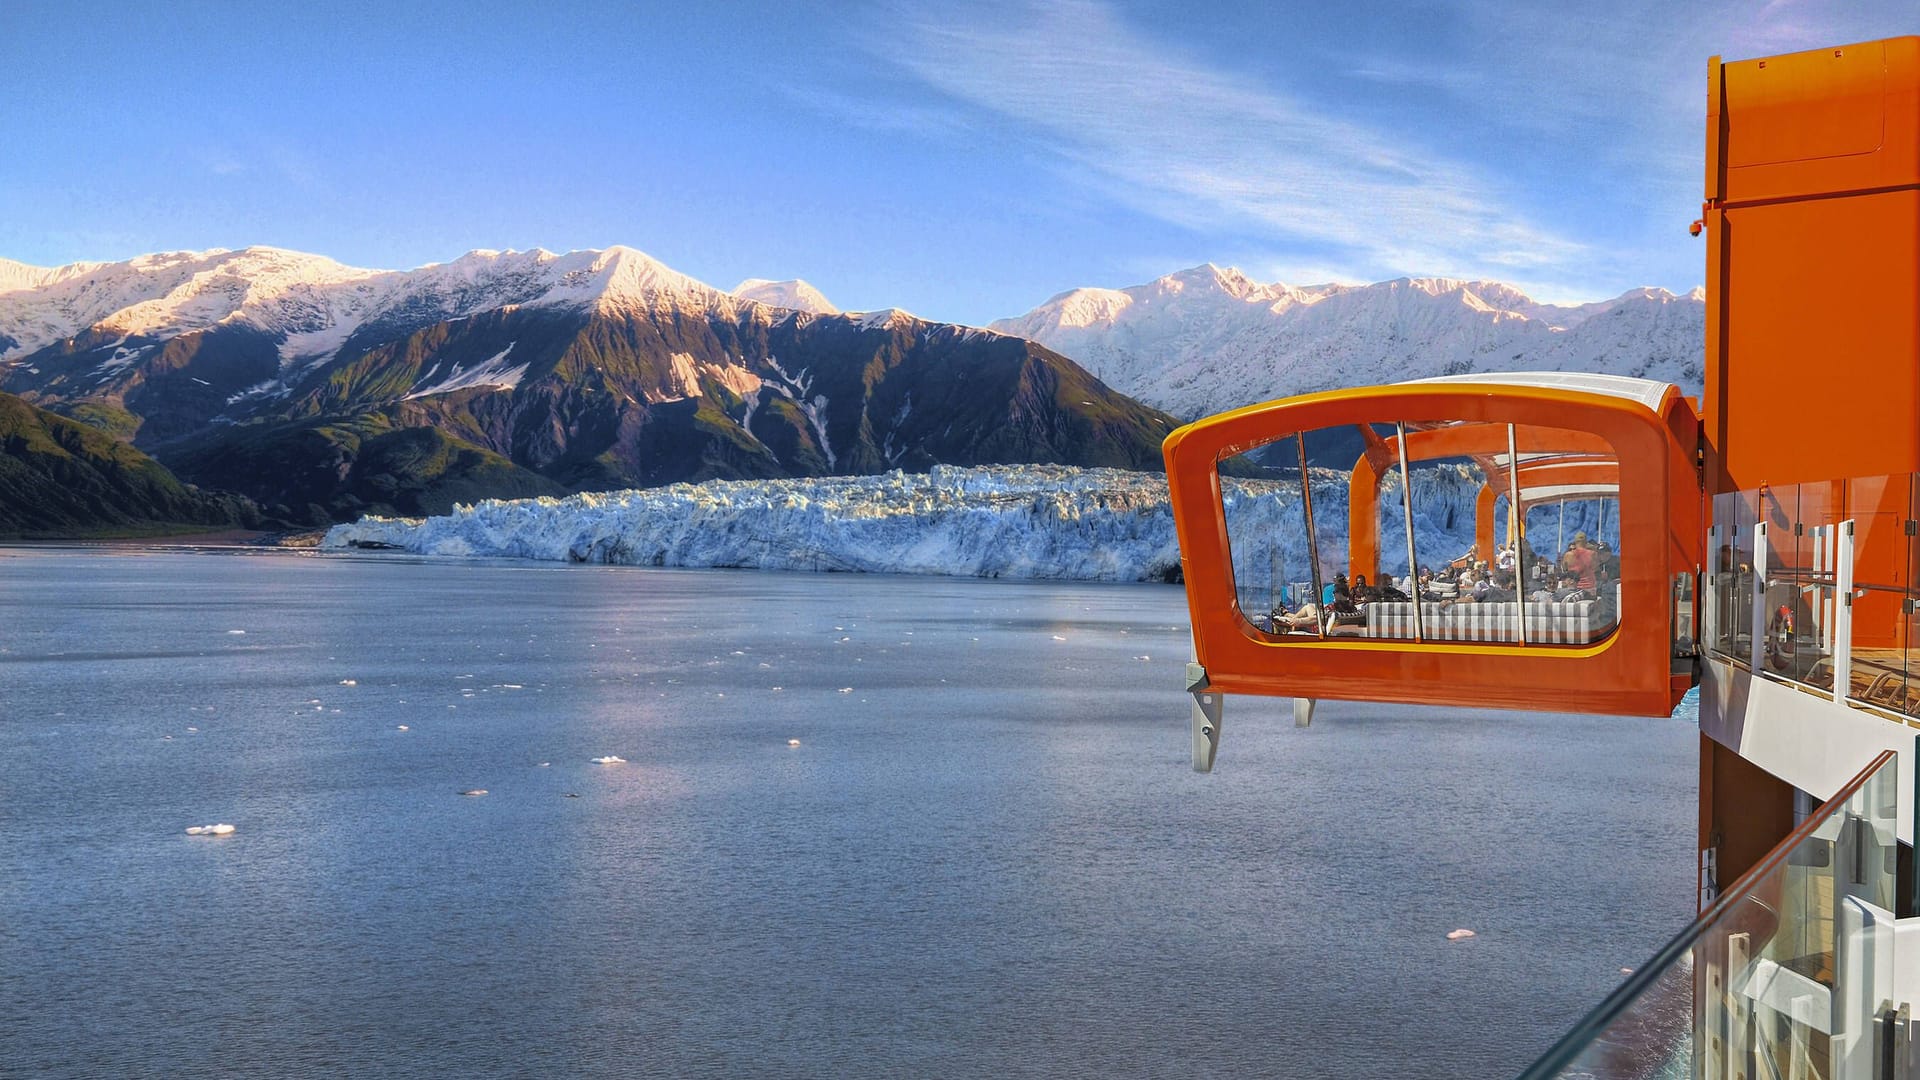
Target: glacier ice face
<point>1022,521</point>
<point>1019,521</point>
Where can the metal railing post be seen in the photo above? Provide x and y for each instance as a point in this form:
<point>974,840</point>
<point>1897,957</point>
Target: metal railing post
<point>1518,527</point>
<point>1843,613</point>
<point>1406,501</point>
<point>1313,538</point>
<point>1758,660</point>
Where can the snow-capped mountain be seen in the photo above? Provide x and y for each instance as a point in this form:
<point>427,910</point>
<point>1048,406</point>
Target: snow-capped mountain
<point>1210,338</point>
<point>325,390</point>
<point>795,295</point>
<point>311,303</point>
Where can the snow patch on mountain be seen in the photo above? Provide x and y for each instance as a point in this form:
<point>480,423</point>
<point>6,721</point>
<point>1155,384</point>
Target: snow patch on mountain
<point>1209,338</point>
<point>492,373</point>
<point>794,295</point>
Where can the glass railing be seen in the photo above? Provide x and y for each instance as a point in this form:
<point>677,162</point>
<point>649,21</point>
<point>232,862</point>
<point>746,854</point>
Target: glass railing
<point>1815,584</point>
<point>1787,973</point>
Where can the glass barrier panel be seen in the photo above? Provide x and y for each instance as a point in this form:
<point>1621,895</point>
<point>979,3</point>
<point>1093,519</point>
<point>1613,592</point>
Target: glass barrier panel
<point>1731,570</point>
<point>1880,507</point>
<point>1784,975</point>
<point>1779,510</point>
<point>1807,646</point>
<point>1910,601</point>
<point>1265,511</point>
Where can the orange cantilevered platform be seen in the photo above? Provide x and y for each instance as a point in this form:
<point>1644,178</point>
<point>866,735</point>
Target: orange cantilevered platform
<point>1538,437</point>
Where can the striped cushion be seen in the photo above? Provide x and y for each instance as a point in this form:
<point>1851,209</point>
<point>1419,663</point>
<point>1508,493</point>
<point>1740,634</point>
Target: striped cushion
<point>1555,624</point>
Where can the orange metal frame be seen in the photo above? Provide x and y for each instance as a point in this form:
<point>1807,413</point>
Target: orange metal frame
<point>1660,528</point>
<point>1479,441</point>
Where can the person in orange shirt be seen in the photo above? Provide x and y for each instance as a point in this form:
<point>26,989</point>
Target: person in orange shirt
<point>1579,561</point>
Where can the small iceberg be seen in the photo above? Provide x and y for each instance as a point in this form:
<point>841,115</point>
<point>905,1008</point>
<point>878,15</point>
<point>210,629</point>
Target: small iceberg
<point>609,760</point>
<point>222,829</point>
<point>793,742</point>
<point>1459,935</point>
<point>401,727</point>
<point>349,682</point>
<point>475,791</point>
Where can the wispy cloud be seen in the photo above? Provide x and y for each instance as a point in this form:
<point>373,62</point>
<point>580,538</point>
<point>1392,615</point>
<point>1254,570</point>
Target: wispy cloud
<point>877,114</point>
<point>1211,149</point>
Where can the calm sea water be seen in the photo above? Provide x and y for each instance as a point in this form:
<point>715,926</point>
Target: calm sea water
<point>987,856</point>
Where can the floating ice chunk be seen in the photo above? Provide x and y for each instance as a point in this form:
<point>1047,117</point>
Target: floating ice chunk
<point>193,729</point>
<point>222,829</point>
<point>1459,935</point>
<point>1143,656</point>
<point>349,682</point>
<point>402,727</point>
<point>793,742</point>
<point>846,689</point>
<point>609,760</point>
<point>1057,637</point>
<point>236,631</point>
<point>546,764</point>
<point>475,791</point>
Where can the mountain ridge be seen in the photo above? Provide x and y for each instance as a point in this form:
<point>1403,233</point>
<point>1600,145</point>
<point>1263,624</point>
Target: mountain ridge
<point>1210,338</point>
<point>287,376</point>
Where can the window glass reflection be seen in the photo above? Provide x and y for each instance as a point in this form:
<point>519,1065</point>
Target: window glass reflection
<point>1413,535</point>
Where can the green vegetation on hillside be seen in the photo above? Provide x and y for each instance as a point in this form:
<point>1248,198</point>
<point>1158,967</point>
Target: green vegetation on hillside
<point>328,469</point>
<point>60,478</point>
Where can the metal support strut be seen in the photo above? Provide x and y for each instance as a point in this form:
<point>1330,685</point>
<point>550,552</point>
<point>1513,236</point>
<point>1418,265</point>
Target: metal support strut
<point>1206,718</point>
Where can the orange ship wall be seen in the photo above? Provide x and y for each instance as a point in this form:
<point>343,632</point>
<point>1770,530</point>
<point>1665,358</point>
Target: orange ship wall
<point>1813,289</point>
<point>1813,265</point>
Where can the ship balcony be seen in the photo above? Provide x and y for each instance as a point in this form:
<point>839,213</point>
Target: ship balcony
<point>1815,585</point>
<point>1517,541</point>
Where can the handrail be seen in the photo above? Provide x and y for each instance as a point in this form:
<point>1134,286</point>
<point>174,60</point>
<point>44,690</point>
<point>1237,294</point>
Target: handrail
<point>1590,1027</point>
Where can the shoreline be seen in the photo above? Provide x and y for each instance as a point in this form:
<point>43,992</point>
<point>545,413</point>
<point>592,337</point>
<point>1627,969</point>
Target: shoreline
<point>218,538</point>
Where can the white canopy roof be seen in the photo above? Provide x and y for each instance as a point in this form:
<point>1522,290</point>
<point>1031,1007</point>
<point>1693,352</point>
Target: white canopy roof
<point>1648,392</point>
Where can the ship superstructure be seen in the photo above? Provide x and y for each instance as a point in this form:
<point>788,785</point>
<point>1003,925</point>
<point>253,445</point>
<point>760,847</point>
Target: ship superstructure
<point>1630,544</point>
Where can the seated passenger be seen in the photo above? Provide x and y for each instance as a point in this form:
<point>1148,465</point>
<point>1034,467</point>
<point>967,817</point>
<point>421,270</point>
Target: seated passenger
<point>1606,608</point>
<point>1605,561</point>
<point>1362,592</point>
<point>1302,619</point>
<point>1342,596</point>
<point>1569,590</point>
<point>1501,590</point>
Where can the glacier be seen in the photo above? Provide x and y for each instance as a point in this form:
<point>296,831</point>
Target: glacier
<point>1019,521</point>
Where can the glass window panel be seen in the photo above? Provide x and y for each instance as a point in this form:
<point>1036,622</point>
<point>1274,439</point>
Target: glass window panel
<point>1441,531</point>
<point>1266,518</point>
<point>1734,515</point>
<point>1880,506</point>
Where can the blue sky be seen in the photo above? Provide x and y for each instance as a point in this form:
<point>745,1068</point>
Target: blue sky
<point>962,160</point>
